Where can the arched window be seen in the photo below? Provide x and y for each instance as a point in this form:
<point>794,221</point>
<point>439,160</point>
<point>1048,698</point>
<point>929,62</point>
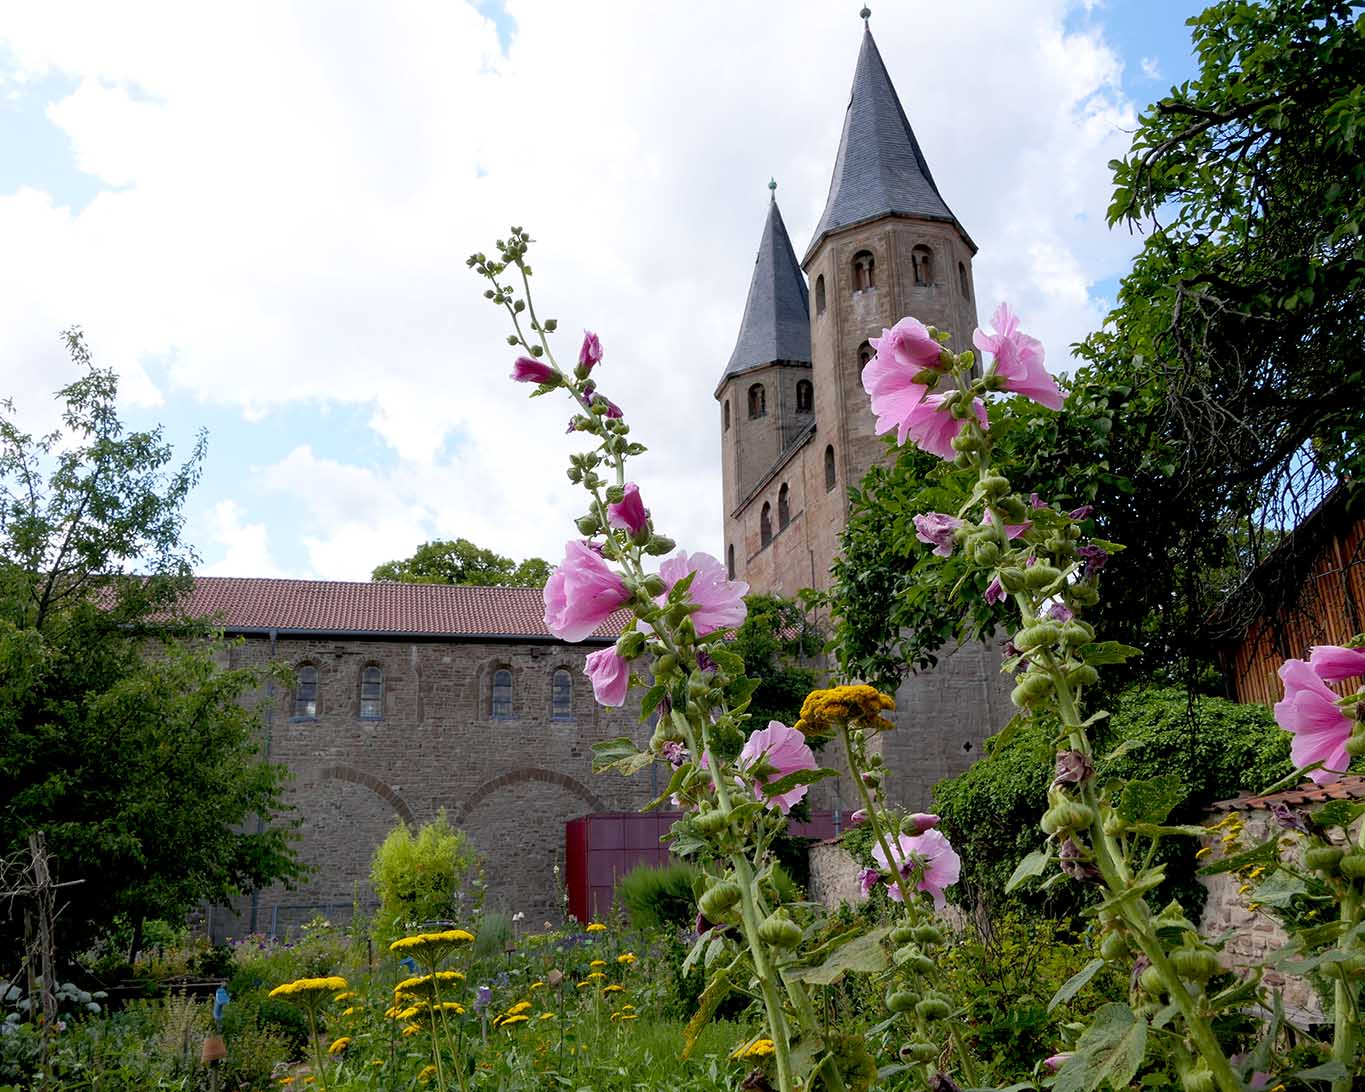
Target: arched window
<point>758,401</point>
<point>306,692</point>
<point>922,258</point>
<point>730,560</point>
<point>865,355</point>
<point>784,507</point>
<point>765,524</point>
<point>820,294</point>
<point>501,706</point>
<point>962,277</point>
<point>725,416</point>
<point>864,271</point>
<point>805,396</point>
<point>372,694</point>
<point>829,468</point>
<point>561,696</point>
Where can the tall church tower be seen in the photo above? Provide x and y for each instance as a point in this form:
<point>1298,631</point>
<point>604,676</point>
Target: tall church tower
<point>796,425</point>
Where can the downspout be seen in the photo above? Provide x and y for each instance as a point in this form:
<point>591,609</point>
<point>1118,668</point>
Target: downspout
<point>269,725</point>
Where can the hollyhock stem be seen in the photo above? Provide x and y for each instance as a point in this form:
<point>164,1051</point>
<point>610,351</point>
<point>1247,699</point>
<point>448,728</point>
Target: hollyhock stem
<point>1345,994</point>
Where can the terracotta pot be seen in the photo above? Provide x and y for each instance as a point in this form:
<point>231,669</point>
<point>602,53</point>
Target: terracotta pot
<point>214,1050</point>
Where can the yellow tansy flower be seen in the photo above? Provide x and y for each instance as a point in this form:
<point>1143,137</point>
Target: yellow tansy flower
<point>338,1045</point>
<point>614,988</point>
<point>518,1019</point>
<point>410,1030</point>
<point>598,963</point>
<point>347,995</point>
<point>309,986</point>
<point>535,985</point>
<point>520,1006</point>
<point>759,1048</point>
<point>596,976</point>
<point>426,1074</point>
<point>547,1016</point>
<point>626,957</point>
<point>824,710</point>
<point>596,927</point>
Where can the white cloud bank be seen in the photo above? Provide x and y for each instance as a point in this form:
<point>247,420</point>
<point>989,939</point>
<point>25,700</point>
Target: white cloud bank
<point>293,191</point>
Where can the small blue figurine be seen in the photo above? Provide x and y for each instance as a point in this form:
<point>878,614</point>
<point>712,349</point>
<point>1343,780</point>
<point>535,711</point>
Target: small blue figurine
<point>220,1000</point>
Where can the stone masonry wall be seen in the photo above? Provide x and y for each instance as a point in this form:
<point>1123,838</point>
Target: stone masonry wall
<point>510,784</point>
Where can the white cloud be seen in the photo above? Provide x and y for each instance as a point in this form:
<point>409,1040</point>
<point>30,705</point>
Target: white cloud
<point>298,188</point>
<point>1151,68</point>
<point>242,548</point>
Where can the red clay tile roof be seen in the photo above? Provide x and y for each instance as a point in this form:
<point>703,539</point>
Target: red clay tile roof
<point>250,604</point>
<point>1351,787</point>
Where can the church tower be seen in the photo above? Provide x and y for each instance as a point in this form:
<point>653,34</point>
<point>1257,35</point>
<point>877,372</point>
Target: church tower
<point>886,246</point>
<point>796,425</point>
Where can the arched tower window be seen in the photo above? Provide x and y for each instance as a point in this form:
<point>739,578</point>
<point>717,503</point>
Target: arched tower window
<point>306,692</point>
<point>725,416</point>
<point>561,696</point>
<point>784,507</point>
<point>820,294</point>
<point>829,468</point>
<point>765,525</point>
<point>501,705</point>
<point>865,355</point>
<point>730,560</point>
<point>922,258</point>
<point>758,401</point>
<point>805,396</point>
<point>372,693</point>
<point>864,271</point>
<point>962,277</point>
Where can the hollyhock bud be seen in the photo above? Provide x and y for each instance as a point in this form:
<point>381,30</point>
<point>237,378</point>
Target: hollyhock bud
<point>918,823</point>
<point>1056,1061</point>
<point>609,674</point>
<point>1077,863</point>
<point>629,514</point>
<point>938,530</point>
<point>859,816</point>
<point>1072,768</point>
<point>526,370</point>
<point>1060,612</point>
<point>605,406</point>
<point>1083,512</point>
<point>995,591</point>
<point>1094,557</point>
<point>590,354</point>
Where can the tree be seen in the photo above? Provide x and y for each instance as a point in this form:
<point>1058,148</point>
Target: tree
<point>461,562</point>
<point>777,641</point>
<point>120,737</point>
<point>1215,407</point>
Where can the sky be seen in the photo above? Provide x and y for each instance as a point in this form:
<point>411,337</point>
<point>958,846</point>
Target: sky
<point>259,214</point>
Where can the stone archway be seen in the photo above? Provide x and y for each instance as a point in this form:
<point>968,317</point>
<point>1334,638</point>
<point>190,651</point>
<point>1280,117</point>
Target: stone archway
<point>519,776</point>
<point>360,777</point>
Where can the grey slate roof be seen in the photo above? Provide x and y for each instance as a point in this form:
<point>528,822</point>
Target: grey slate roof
<point>776,323</point>
<point>880,168</point>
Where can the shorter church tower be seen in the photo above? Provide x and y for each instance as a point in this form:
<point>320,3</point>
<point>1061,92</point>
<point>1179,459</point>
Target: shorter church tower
<point>767,412</point>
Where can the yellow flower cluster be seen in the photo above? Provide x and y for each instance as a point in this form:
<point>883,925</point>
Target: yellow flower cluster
<point>425,983</point>
<point>861,706</point>
<point>598,963</point>
<point>613,988</point>
<point>759,1048</point>
<point>338,1045</point>
<point>623,1015</point>
<point>426,1074</point>
<point>309,987</point>
<point>432,940</point>
<point>506,1020</point>
<point>596,927</point>
<point>346,995</point>
<point>626,957</point>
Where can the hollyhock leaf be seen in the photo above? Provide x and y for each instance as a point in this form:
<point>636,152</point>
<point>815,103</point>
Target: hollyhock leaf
<point>650,701</point>
<point>1110,1051</point>
<point>862,955</point>
<point>1035,864</point>
<point>798,777</point>
<point>1075,984</point>
<point>1339,813</point>
<point>1150,801</point>
<point>1099,653</point>
<point>621,754</point>
<point>729,662</point>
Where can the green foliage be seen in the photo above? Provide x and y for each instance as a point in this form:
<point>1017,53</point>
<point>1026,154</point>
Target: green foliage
<point>120,737</point>
<point>461,562</point>
<point>659,896</point>
<point>1213,748</point>
<point>419,878</point>
<point>777,641</point>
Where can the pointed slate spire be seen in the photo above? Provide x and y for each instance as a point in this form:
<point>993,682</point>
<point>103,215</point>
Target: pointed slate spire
<point>880,168</point>
<point>776,323</point>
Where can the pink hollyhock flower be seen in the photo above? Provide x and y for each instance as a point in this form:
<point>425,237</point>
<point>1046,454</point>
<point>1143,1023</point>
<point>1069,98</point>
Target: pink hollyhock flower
<point>1320,729</point>
<point>1012,530</point>
<point>921,821</point>
<point>610,408</point>
<point>995,591</point>
<point>930,853</point>
<point>609,674</point>
<point>1334,663</point>
<point>931,428</point>
<point>590,354</point>
<point>785,749</point>
<point>859,816</point>
<point>1056,1061</point>
<point>630,513</point>
<point>937,529</point>
<point>719,602</point>
<point>1018,359</point>
<point>581,593</point>
<point>528,370</point>
<point>909,346</point>
<point>868,879</point>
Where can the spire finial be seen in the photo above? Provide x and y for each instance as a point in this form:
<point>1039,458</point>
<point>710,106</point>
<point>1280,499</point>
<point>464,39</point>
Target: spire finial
<point>865,14</point>
<point>772,188</point>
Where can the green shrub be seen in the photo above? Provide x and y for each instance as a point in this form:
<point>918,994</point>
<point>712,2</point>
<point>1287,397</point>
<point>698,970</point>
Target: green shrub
<point>493,935</point>
<point>418,878</point>
<point>659,896</point>
<point>1216,747</point>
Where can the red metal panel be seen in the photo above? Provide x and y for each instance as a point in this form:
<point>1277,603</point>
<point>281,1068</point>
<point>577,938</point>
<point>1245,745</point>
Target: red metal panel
<point>576,866</point>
